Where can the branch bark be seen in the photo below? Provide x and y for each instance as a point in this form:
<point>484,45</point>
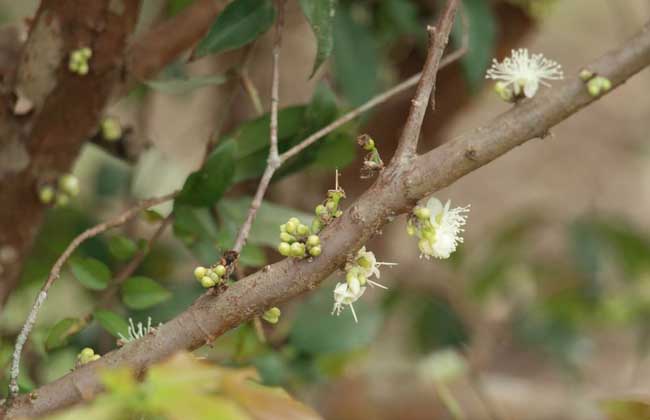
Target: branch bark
<point>390,195</point>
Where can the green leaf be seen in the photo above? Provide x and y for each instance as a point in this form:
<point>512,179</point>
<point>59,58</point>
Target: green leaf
<point>122,248</point>
<point>315,331</point>
<point>241,22</point>
<point>206,186</point>
<point>320,14</point>
<point>355,59</point>
<point>91,273</point>
<point>184,85</point>
<point>61,331</point>
<point>111,322</point>
<point>141,293</point>
<point>482,40</point>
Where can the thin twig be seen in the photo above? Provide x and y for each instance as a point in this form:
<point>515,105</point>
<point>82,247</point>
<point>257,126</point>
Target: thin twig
<point>438,38</point>
<point>377,100</point>
<point>273,161</point>
<point>252,91</point>
<point>55,273</point>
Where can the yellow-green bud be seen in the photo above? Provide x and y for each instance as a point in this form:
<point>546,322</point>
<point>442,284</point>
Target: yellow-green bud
<point>46,194</point>
<point>315,251</point>
<point>83,69</point>
<point>284,249</point>
<point>85,52</point>
<point>605,83</point>
<point>302,230</point>
<point>313,240</point>
<point>586,74</point>
<point>62,199</point>
<point>594,87</point>
<point>320,210</point>
<point>283,227</point>
<point>295,221</point>
<point>272,316</point>
<point>207,282</point>
<point>200,272</point>
<point>410,229</point>
<point>87,352</point>
<point>352,275</point>
<point>69,184</point>
<point>220,270</point>
<point>297,249</point>
<point>214,276</point>
<point>504,91</point>
<point>291,227</point>
<point>370,144</point>
<point>111,129</point>
<point>362,279</point>
<point>285,237</point>
<point>422,213</point>
<point>316,225</point>
<point>87,355</point>
<point>95,357</point>
<point>364,262</point>
<point>330,205</point>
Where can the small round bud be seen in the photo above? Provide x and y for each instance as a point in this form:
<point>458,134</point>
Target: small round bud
<point>352,275</point>
<point>429,235</point>
<point>422,213</point>
<point>283,227</point>
<point>295,221</point>
<point>87,353</point>
<point>370,144</point>
<point>338,213</point>
<point>285,237</point>
<point>85,52</point>
<point>207,282</point>
<point>220,270</point>
<point>320,210</point>
<point>605,83</point>
<point>330,205</point>
<point>200,272</point>
<point>62,199</point>
<point>302,230</point>
<point>272,316</point>
<point>410,229</point>
<point>362,279</point>
<point>291,227</point>
<point>95,357</point>
<point>585,74</point>
<point>111,129</point>
<point>504,91</point>
<point>594,87</point>
<point>46,194</point>
<point>315,251</point>
<point>297,249</point>
<point>364,262</point>
<point>284,249</point>
<point>214,276</point>
<point>83,69</point>
<point>313,240</point>
<point>316,225</point>
<point>69,184</point>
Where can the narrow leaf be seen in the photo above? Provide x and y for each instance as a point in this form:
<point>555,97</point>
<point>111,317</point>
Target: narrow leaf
<point>141,293</point>
<point>91,273</point>
<point>320,14</point>
<point>61,331</point>
<point>122,247</point>
<point>111,322</point>
<point>241,22</point>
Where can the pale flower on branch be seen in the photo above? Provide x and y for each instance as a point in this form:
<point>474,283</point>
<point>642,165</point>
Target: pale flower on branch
<point>523,73</point>
<point>344,294</point>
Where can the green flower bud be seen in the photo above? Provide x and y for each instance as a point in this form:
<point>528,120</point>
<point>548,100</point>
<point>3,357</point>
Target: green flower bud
<point>594,87</point>
<point>214,276</point>
<point>330,205</point>
<point>95,357</point>
<point>69,184</point>
<point>285,237</point>
<point>62,199</point>
<point>605,83</point>
<point>338,213</point>
<point>585,74</point>
<point>283,227</point>
<point>272,316</point>
<point>220,270</point>
<point>504,91</point>
<point>46,194</point>
<point>297,249</point>
<point>370,144</point>
<point>200,272</point>
<point>352,275</point>
<point>320,210</point>
<point>87,353</point>
<point>302,230</point>
<point>364,262</point>
<point>422,213</point>
<point>83,69</point>
<point>111,129</point>
<point>85,52</point>
<point>295,221</point>
<point>362,279</point>
<point>207,282</point>
<point>291,227</point>
<point>313,240</point>
<point>315,251</point>
<point>284,249</point>
<point>316,225</point>
<point>429,235</point>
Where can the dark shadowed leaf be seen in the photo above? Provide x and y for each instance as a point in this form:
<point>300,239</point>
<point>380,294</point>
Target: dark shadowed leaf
<point>241,22</point>
<point>111,322</point>
<point>90,272</point>
<point>61,331</point>
<point>320,14</point>
<point>141,293</point>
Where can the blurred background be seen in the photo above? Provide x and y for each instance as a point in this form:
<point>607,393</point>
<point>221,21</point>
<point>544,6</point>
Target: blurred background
<point>543,313</point>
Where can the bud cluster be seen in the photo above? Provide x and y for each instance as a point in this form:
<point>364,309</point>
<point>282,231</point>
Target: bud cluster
<point>297,240</point>
<point>272,316</point>
<point>210,277</point>
<point>372,163</point>
<point>79,61</point>
<point>328,210</point>
<point>87,355</point>
<point>67,186</point>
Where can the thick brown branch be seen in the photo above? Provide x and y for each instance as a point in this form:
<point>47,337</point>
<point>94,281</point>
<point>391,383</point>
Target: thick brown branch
<point>385,199</point>
<point>438,38</point>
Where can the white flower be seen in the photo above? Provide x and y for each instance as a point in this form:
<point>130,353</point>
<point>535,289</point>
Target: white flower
<point>137,331</point>
<point>346,295</point>
<point>366,265</point>
<point>524,71</point>
<point>447,226</point>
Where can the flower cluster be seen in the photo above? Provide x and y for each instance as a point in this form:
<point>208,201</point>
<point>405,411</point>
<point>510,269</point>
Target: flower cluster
<point>329,209</point>
<point>111,129</point>
<point>210,277</point>
<point>357,275</point>
<point>297,240</point>
<point>438,228</point>
<point>272,316</point>
<point>596,85</point>
<point>87,355</point>
<point>136,331</point>
<point>67,186</point>
<point>521,74</point>
<point>79,61</point>
<point>372,163</point>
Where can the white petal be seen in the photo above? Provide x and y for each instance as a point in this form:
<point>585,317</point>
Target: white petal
<point>530,88</point>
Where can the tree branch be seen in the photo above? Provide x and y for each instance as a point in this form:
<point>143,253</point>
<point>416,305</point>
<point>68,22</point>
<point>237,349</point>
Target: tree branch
<point>273,162</point>
<point>438,38</point>
<point>385,199</point>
